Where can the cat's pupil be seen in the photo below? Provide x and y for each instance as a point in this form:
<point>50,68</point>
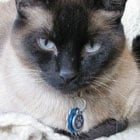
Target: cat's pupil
<point>46,41</point>
<point>45,44</point>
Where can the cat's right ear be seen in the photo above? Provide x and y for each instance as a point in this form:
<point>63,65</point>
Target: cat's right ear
<point>22,6</point>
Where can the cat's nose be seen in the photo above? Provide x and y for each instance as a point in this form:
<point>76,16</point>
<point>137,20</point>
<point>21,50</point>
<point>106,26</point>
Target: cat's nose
<point>67,76</point>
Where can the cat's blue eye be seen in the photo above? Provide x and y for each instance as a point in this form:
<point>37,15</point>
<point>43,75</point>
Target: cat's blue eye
<point>47,45</point>
<point>92,48</point>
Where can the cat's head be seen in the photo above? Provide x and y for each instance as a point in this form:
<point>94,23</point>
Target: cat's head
<point>69,42</point>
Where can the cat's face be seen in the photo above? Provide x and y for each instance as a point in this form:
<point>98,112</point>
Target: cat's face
<point>69,42</point>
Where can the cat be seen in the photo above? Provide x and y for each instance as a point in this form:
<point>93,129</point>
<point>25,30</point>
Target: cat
<point>54,51</point>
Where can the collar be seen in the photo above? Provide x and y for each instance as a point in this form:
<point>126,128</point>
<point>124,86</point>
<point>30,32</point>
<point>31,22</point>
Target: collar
<point>75,123</point>
<point>107,128</point>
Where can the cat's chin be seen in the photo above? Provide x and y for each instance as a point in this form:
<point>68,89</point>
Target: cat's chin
<point>70,88</point>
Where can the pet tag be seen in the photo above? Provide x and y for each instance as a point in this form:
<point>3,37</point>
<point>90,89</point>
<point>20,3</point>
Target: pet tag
<point>75,121</point>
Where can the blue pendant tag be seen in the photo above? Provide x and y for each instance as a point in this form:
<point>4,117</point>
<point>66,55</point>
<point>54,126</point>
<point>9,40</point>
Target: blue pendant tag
<point>75,121</point>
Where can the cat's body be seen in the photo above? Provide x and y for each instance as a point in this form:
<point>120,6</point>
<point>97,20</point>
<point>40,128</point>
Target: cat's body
<point>115,94</point>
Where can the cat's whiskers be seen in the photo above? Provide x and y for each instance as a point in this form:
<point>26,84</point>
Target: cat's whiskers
<point>31,73</point>
<point>106,87</point>
<point>126,61</point>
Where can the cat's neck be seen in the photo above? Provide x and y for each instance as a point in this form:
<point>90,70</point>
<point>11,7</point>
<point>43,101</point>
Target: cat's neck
<point>23,93</point>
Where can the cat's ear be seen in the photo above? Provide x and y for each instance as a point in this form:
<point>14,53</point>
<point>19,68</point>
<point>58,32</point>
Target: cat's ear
<point>21,4</point>
<point>114,5</point>
<point>117,6</point>
<point>24,5</point>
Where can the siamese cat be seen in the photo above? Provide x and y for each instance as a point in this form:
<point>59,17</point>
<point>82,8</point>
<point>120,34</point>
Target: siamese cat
<point>55,51</point>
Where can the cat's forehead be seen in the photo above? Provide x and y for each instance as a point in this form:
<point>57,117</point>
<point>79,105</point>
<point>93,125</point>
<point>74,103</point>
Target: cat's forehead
<point>104,4</point>
<point>71,1</point>
<point>67,2</point>
<point>44,14</point>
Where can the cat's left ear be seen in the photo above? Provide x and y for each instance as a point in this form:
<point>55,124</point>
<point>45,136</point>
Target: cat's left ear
<point>115,5</point>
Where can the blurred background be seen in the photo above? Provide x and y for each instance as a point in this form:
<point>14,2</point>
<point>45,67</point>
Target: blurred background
<point>131,20</point>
